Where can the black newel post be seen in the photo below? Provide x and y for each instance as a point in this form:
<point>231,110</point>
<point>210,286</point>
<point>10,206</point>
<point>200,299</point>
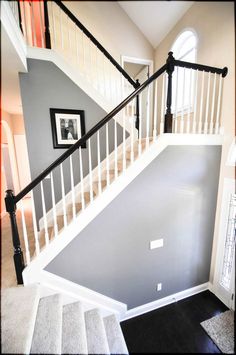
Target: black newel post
<point>46,23</point>
<point>137,107</point>
<point>169,115</point>
<point>19,14</point>
<point>18,255</point>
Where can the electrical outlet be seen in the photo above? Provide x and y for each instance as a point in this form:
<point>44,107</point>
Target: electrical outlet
<point>159,287</point>
<point>158,243</point>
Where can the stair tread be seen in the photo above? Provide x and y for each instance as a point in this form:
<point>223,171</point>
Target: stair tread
<point>96,334</point>
<point>48,326</point>
<point>74,339</point>
<point>18,318</point>
<point>115,336</point>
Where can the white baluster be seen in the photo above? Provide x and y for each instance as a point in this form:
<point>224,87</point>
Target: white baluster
<point>155,112</point>
<point>41,25</point>
<point>190,101</point>
<point>72,187</point>
<point>33,25</point>
<point>81,178</point>
<point>176,101</point>
<point>69,36</point>
<point>148,117</point>
<point>61,30</point>
<point>217,124</point>
<point>63,196</point>
<point>132,132</point>
<point>83,54</point>
<point>77,45</point>
<point>27,253</point>
<point>90,171</point>
<point>163,104</point>
<point>45,222</point>
<point>99,164</point>
<point>54,212</point>
<point>195,104</point>
<point>124,139</point>
<point>36,237</point>
<point>53,26</point>
<point>183,97</point>
<point>107,155</point>
<point>201,104</point>
<point>213,104</point>
<point>115,148</point>
<point>140,125</point>
<point>25,22</point>
<point>207,104</point>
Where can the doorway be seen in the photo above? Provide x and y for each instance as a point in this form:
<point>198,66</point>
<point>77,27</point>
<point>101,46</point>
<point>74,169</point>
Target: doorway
<point>141,70</point>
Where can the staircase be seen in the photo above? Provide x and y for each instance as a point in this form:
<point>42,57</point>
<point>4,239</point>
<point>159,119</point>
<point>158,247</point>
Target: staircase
<point>57,220</point>
<point>46,325</point>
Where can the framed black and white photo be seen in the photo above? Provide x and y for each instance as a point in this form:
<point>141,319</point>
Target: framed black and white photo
<point>68,126</point>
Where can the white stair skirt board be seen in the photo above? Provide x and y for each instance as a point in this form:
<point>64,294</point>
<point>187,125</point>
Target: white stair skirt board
<point>48,326</point>
<point>165,301</point>
<point>115,337</point>
<point>74,339</point>
<point>19,315</point>
<point>72,292</point>
<point>32,271</point>
<point>73,74</point>
<point>96,334</point>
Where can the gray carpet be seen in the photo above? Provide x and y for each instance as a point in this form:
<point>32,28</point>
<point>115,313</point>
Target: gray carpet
<point>221,330</point>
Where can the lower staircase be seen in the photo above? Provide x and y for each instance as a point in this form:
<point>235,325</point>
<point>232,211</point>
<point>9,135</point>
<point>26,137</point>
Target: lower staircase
<point>32,324</point>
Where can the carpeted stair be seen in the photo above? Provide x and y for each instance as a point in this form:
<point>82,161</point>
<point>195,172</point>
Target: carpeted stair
<point>34,325</point>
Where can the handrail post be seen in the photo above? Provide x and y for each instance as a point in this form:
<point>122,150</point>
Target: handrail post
<point>19,15</point>
<point>169,116</point>
<point>137,107</point>
<point>18,255</point>
<point>46,23</point>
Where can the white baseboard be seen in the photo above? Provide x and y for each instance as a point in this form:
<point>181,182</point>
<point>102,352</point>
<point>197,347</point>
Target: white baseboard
<point>165,301</point>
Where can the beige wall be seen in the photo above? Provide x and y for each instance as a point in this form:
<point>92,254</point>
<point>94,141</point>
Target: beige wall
<point>112,27</point>
<point>214,26</point>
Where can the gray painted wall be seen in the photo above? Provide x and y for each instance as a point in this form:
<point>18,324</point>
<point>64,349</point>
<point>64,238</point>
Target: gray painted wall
<point>174,198</point>
<point>43,87</point>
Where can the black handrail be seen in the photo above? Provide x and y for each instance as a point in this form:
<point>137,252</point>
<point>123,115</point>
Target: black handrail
<point>201,67</point>
<point>95,42</point>
<point>83,139</point>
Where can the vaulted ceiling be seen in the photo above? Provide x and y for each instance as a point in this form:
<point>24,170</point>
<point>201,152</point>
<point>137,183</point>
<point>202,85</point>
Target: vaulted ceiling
<point>155,18</point>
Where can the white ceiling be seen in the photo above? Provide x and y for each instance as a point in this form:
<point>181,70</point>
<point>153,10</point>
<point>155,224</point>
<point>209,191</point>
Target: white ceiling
<point>155,18</point>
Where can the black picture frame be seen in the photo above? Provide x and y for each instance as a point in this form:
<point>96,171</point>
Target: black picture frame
<point>68,126</point>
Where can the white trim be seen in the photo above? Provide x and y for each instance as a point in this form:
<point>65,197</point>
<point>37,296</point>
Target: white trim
<point>13,31</point>
<point>218,290</point>
<point>165,301</point>
<point>83,219</point>
<point>136,60</point>
<point>72,291</point>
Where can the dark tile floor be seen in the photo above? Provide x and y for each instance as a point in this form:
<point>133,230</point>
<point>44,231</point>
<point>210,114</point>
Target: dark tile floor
<point>174,328</point>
